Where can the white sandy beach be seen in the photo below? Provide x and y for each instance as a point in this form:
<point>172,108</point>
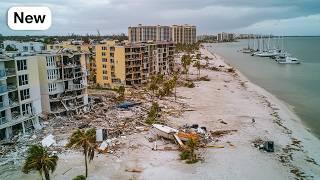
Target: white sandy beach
<point>225,98</point>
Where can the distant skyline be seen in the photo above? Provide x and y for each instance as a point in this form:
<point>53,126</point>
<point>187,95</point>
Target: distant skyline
<point>278,17</point>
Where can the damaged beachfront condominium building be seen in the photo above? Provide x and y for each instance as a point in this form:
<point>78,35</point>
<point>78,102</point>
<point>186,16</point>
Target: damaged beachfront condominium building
<point>149,51</point>
<point>36,82</point>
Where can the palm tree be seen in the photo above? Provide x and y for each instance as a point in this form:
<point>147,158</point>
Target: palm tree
<point>186,61</point>
<point>198,66</point>
<point>38,159</point>
<point>155,82</point>
<point>121,90</point>
<point>79,177</point>
<point>85,140</point>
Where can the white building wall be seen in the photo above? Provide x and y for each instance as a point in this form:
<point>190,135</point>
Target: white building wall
<point>25,46</point>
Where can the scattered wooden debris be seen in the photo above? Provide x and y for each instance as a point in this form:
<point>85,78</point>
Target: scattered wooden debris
<point>134,170</point>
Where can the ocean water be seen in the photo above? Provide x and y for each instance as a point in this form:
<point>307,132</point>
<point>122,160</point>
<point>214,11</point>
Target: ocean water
<point>297,85</point>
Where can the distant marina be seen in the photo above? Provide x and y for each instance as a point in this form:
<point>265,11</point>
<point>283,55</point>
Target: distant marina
<point>271,47</point>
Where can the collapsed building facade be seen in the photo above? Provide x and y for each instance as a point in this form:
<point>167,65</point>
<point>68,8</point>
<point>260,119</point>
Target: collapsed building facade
<point>63,79</point>
<point>33,84</point>
<point>88,48</point>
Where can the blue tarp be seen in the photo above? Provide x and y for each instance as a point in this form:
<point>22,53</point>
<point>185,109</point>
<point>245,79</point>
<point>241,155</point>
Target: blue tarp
<point>126,104</point>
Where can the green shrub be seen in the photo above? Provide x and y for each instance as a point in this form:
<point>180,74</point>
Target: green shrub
<point>189,84</point>
<point>153,113</point>
<point>79,177</point>
<point>185,154</point>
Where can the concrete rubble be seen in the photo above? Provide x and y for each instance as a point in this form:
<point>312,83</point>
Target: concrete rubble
<point>117,122</point>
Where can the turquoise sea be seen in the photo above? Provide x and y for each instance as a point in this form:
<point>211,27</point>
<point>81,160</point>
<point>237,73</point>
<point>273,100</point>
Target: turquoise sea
<point>297,85</point>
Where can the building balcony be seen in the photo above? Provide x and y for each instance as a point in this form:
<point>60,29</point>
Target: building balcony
<point>10,71</point>
<point>3,120</point>
<point>2,106</point>
<point>7,72</point>
<point>57,110</point>
<point>82,73</point>
<point>3,73</point>
<point>13,103</point>
<point>70,65</point>
<point>74,87</point>
<point>133,65</point>
<point>16,118</point>
<point>11,87</point>
<point>3,88</point>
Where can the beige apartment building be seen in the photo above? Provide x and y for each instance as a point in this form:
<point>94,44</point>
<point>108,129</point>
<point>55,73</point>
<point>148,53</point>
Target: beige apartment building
<point>132,63</point>
<point>184,34</point>
<point>142,33</point>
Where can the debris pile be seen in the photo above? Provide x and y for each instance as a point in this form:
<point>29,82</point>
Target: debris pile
<point>267,146</point>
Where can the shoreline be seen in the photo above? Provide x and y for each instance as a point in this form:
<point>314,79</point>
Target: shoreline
<point>298,129</point>
<point>288,108</point>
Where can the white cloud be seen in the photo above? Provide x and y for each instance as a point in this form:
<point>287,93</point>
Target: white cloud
<point>306,25</point>
<point>114,16</point>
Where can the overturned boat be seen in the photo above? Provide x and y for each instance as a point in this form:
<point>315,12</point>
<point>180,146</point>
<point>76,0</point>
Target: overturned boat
<point>165,131</point>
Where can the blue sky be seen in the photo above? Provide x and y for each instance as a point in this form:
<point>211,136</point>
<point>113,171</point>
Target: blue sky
<point>279,17</point>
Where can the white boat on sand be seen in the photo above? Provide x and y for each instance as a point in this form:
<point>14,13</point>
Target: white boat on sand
<point>164,131</point>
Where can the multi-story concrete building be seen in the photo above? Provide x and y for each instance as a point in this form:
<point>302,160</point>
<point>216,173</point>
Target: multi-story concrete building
<point>63,80</point>
<point>25,46</point>
<point>184,34</point>
<point>225,37</point>
<point>149,33</point>
<point>104,62</point>
<point>88,49</point>
<point>20,102</point>
<point>132,63</point>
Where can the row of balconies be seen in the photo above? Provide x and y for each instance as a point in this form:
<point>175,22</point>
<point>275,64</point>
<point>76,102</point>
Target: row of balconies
<point>73,87</point>
<point>12,103</point>
<point>16,116</point>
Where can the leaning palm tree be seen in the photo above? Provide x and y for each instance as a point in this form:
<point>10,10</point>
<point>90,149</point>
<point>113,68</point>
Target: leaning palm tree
<point>186,61</point>
<point>85,140</point>
<point>38,159</point>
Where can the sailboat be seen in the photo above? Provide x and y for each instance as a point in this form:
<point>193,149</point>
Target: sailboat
<point>248,49</point>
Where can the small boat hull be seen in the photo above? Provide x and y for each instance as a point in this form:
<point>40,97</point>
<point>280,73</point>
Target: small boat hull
<point>164,131</point>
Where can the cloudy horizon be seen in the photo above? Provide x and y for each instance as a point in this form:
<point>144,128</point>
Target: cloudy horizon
<point>286,17</point>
